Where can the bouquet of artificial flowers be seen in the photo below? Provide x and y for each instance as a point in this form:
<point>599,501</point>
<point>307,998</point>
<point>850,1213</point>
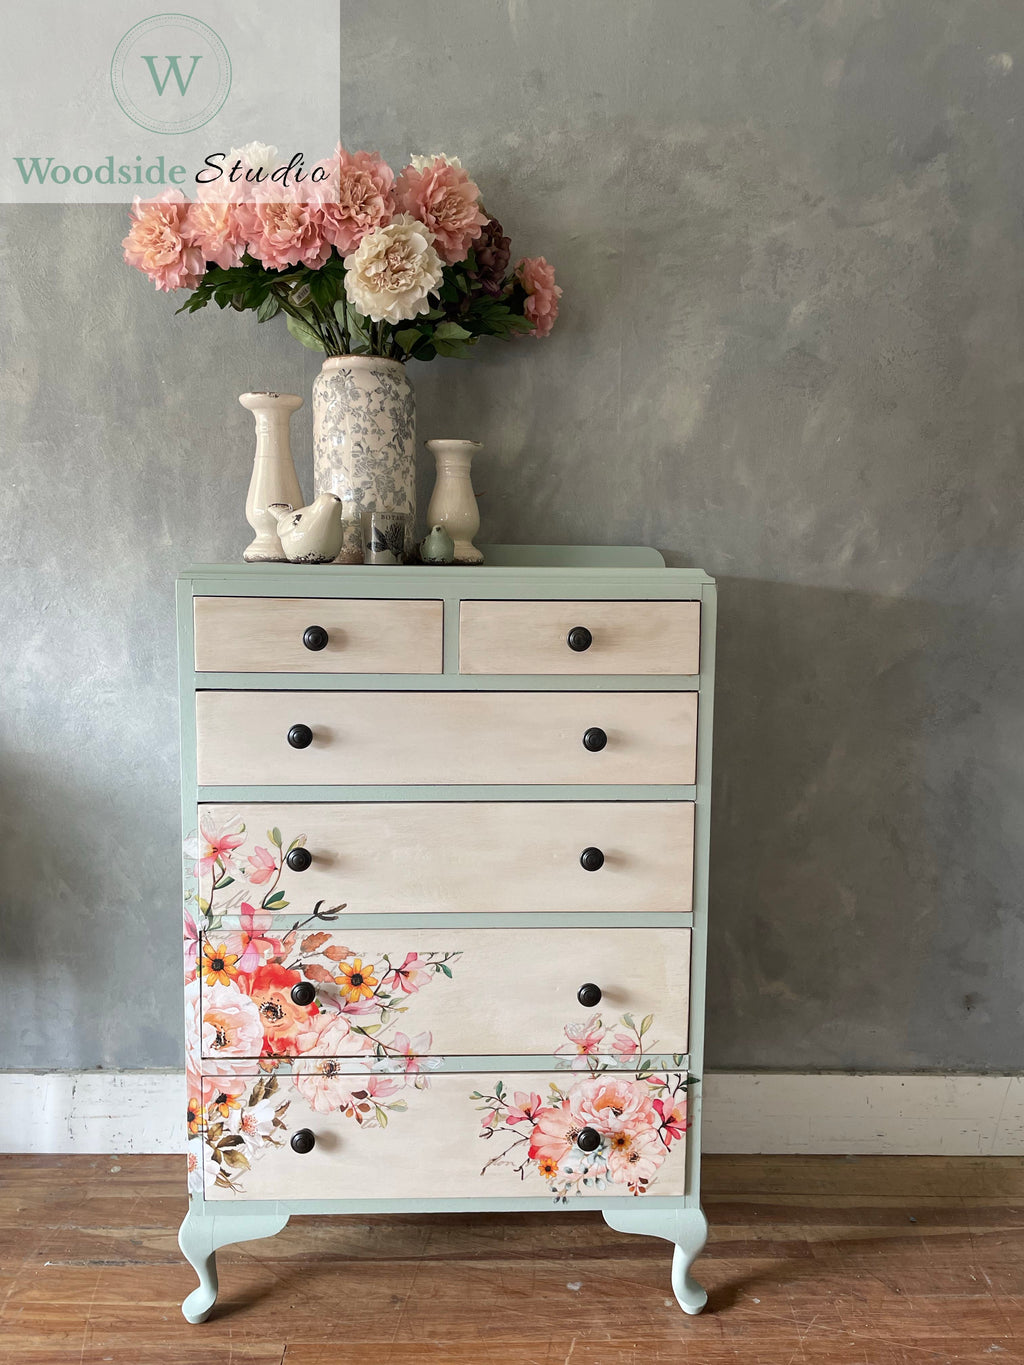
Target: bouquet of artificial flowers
<point>360,261</point>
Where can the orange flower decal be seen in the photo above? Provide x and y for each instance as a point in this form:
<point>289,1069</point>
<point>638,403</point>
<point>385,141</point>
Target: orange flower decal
<point>218,964</point>
<point>356,981</point>
<point>547,1167</point>
<point>223,1103</point>
<point>195,1115</point>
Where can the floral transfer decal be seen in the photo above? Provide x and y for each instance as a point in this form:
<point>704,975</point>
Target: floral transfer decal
<point>636,1117</point>
<point>348,1055</point>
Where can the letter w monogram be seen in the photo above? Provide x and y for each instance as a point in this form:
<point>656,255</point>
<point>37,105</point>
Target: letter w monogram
<point>172,68</point>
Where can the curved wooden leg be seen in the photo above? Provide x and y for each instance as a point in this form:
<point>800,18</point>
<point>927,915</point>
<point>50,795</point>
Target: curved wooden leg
<point>687,1228</point>
<point>200,1236</point>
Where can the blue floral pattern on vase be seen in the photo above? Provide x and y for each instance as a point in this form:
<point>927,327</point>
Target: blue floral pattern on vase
<point>364,442</point>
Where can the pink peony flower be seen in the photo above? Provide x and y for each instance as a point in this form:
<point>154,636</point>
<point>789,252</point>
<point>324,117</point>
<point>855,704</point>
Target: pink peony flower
<point>612,1105</point>
<point>252,944</point>
<point>410,976</point>
<point>282,232</point>
<point>555,1132</point>
<point>231,1023</point>
<point>160,242</point>
<point>443,198</point>
<point>218,229</point>
<point>326,1086</point>
<point>331,1035</point>
<point>634,1158</point>
<point>262,865</point>
<point>358,198</point>
<point>584,1040</point>
<point>541,307</point>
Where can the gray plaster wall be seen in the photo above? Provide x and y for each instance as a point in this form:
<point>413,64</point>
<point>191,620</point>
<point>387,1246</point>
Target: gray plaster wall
<point>790,240</point>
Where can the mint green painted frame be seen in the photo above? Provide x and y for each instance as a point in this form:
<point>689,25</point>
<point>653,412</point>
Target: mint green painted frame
<point>549,573</point>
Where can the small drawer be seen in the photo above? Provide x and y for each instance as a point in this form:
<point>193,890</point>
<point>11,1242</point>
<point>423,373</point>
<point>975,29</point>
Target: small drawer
<point>403,1135</point>
<point>316,635</point>
<point>431,738</point>
<point>449,857</point>
<point>580,638</point>
<point>265,991</point>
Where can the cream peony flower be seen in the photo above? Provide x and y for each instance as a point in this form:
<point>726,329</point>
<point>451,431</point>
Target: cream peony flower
<point>260,156</point>
<point>420,163</point>
<point>394,268</point>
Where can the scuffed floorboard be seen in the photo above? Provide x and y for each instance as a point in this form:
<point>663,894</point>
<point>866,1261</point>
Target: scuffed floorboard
<point>863,1261</point>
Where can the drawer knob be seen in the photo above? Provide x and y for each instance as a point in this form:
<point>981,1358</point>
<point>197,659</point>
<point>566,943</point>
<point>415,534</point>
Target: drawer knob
<point>587,1139</point>
<point>299,859</point>
<point>588,995</point>
<point>315,638</point>
<point>579,639</point>
<point>304,1140</point>
<point>591,860</point>
<point>594,739</point>
<point>303,993</point>
<point>300,736</point>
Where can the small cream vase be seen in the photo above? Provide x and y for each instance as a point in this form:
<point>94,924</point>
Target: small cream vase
<point>453,502</point>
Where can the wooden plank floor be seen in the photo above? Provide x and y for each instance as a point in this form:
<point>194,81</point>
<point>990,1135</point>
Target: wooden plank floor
<point>866,1261</point>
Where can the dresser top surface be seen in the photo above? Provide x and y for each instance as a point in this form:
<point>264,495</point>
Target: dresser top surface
<point>498,560</point>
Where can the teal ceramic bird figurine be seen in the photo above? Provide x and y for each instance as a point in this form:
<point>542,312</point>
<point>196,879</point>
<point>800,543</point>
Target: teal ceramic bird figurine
<point>438,547</point>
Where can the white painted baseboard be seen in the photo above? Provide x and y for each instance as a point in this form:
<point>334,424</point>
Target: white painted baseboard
<point>141,1111</point>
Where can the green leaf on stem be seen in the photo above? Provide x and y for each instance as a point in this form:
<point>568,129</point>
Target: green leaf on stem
<point>269,308</point>
<point>302,331</point>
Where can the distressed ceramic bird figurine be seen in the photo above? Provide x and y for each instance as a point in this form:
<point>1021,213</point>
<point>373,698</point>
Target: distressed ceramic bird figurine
<point>438,547</point>
<point>313,534</point>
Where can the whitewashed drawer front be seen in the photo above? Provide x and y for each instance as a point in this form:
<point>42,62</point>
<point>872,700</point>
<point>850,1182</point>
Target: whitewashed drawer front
<point>372,996</point>
<point>380,1137</point>
<point>317,635</point>
<point>441,857</point>
<point>361,738</point>
<point>582,638</point>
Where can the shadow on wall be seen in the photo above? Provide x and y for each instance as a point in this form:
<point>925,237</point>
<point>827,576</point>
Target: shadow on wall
<point>849,879</point>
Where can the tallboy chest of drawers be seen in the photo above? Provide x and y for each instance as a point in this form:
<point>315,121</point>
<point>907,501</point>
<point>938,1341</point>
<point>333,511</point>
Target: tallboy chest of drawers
<point>446,892</point>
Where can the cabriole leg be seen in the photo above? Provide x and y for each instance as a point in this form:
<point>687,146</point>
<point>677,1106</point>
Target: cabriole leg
<point>687,1228</point>
<point>200,1236</point>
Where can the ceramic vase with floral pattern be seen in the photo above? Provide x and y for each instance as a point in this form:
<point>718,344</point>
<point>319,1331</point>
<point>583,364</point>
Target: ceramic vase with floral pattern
<point>364,442</point>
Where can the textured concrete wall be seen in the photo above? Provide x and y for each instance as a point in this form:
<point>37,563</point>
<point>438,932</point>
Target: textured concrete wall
<point>790,240</point>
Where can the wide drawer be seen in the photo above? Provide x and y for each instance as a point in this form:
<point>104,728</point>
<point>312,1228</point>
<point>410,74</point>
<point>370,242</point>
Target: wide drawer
<point>443,857</point>
<point>380,996</point>
<point>274,635</point>
<point>380,1136</point>
<point>361,738</point>
<point>657,638</point>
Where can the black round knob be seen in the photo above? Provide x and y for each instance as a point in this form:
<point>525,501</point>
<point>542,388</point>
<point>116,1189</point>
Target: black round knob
<point>595,739</point>
<point>587,1139</point>
<point>304,1140</point>
<point>591,860</point>
<point>588,995</point>
<point>299,859</point>
<point>579,639</point>
<point>301,737</point>
<point>315,637</point>
<point>304,994</point>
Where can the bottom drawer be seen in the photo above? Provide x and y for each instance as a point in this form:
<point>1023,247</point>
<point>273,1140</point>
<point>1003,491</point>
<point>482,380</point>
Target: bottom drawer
<point>381,1135</point>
